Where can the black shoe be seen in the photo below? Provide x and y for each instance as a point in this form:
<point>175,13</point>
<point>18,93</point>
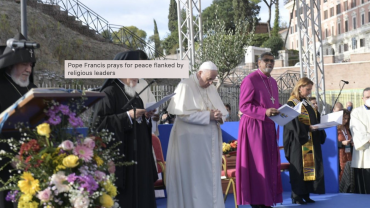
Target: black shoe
<point>255,206</point>
<point>308,200</point>
<point>298,201</point>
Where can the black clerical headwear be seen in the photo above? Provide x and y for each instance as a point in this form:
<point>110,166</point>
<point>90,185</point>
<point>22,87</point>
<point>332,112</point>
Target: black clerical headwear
<point>21,55</point>
<point>127,55</point>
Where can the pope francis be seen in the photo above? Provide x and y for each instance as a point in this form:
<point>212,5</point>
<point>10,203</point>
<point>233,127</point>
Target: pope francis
<point>195,146</point>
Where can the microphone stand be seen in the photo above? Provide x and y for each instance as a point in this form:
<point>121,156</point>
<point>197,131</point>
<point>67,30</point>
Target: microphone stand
<point>338,96</point>
<point>135,140</point>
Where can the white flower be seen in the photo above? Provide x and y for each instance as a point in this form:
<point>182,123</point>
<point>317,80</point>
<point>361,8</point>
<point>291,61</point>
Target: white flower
<point>67,145</point>
<point>81,202</point>
<point>58,180</point>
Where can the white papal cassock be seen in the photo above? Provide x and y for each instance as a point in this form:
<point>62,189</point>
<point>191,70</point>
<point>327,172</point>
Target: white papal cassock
<point>195,148</point>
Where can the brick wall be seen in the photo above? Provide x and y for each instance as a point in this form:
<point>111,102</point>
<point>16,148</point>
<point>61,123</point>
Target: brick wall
<point>356,73</point>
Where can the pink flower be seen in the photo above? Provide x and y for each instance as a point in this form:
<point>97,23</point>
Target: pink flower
<point>83,152</point>
<point>111,167</point>
<point>89,142</point>
<point>99,175</point>
<point>67,145</point>
<point>45,195</point>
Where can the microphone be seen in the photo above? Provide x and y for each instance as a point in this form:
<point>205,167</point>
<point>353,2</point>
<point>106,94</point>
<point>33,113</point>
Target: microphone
<point>11,43</point>
<point>345,81</point>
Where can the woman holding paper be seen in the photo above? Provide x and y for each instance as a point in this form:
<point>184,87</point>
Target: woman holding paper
<point>302,146</point>
<point>345,142</point>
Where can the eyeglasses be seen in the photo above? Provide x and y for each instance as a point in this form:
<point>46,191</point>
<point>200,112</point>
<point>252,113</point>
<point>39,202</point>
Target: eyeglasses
<point>269,60</point>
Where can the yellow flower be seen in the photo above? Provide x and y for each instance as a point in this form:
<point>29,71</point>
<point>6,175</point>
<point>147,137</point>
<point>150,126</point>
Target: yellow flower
<point>29,185</point>
<point>28,204</point>
<point>59,167</point>
<point>70,161</point>
<point>25,198</point>
<point>33,205</point>
<point>22,204</point>
<point>44,129</point>
<point>106,201</point>
<point>109,188</point>
<point>225,147</point>
<point>98,160</point>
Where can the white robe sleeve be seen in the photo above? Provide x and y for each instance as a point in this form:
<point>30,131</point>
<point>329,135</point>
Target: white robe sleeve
<point>200,118</point>
<point>360,134</point>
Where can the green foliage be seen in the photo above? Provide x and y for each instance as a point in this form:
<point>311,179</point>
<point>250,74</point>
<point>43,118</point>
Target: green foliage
<point>259,39</point>
<point>172,16</point>
<point>122,36</point>
<point>107,35</point>
<point>223,9</point>
<point>224,47</point>
<point>4,23</point>
<point>156,39</point>
<point>171,43</point>
<point>230,12</point>
<point>245,10</point>
<point>275,30</point>
<point>275,43</point>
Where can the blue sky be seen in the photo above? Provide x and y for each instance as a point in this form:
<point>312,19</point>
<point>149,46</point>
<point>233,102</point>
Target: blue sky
<point>141,13</point>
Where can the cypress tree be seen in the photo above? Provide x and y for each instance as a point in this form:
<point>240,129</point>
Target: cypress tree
<point>172,16</point>
<point>157,42</point>
<point>275,30</point>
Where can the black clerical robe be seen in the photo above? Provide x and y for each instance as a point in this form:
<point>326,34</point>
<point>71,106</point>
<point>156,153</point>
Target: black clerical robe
<point>114,118</point>
<point>10,92</point>
<point>295,135</point>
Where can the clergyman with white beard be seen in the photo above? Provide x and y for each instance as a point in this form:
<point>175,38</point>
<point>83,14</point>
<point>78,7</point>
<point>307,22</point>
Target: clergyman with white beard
<point>110,114</point>
<point>16,79</point>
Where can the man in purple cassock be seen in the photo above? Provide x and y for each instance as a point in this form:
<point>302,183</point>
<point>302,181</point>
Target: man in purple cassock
<point>258,181</point>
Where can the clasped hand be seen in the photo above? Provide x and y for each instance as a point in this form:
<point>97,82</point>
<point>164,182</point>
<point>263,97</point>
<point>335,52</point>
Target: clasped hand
<point>140,113</point>
<point>216,115</point>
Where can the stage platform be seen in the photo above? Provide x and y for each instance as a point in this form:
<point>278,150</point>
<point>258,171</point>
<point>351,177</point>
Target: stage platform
<point>338,200</point>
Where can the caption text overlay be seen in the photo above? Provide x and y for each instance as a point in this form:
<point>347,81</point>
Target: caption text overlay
<point>96,69</point>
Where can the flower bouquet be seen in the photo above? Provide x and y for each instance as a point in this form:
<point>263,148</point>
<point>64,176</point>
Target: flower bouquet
<point>230,147</point>
<point>55,168</point>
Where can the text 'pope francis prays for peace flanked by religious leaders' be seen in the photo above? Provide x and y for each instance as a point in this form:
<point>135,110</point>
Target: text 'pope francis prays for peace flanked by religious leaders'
<point>195,146</point>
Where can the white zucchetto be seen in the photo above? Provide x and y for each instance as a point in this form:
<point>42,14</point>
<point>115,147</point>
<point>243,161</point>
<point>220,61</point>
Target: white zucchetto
<point>208,65</point>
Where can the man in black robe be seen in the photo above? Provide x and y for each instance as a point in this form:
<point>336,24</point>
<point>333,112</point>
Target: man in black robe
<point>16,79</point>
<point>113,117</point>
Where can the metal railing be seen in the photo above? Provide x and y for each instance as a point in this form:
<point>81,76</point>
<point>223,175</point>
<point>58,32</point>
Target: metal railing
<point>287,80</point>
<point>117,34</point>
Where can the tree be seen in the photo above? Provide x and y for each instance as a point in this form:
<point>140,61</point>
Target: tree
<point>269,5</point>
<point>172,16</point>
<point>245,10</point>
<point>156,40</point>
<point>283,25</point>
<point>171,43</point>
<point>107,35</point>
<point>275,43</point>
<point>130,36</point>
<point>275,30</point>
<point>259,39</point>
<point>230,12</point>
<point>224,47</point>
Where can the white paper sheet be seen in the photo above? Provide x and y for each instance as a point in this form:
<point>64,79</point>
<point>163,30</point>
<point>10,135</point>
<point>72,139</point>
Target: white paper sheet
<point>157,104</point>
<point>330,120</point>
<point>286,114</point>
